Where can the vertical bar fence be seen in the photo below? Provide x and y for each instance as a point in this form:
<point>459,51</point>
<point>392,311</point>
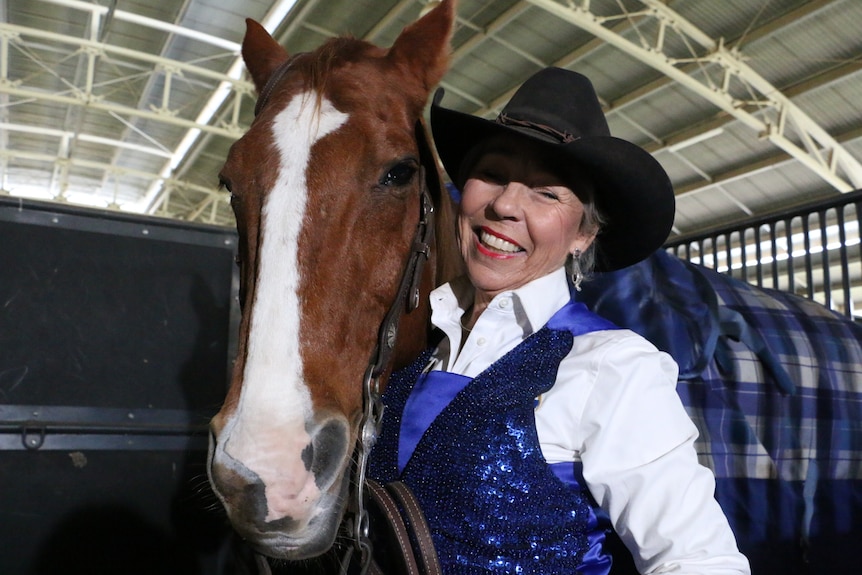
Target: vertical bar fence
<point>813,251</point>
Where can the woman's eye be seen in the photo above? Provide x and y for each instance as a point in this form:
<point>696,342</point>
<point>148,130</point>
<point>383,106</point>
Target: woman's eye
<point>491,176</point>
<point>399,175</point>
<point>545,193</point>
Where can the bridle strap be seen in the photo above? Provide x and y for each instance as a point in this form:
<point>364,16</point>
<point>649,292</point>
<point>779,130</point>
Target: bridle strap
<point>274,79</point>
<point>407,299</point>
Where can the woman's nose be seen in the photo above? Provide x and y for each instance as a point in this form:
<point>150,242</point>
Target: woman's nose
<point>507,203</point>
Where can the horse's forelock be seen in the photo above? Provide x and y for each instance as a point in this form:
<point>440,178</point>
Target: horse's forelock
<point>322,74</point>
<point>320,65</point>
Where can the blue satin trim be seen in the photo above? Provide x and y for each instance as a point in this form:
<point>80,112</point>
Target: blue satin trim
<point>578,319</point>
<point>433,391</point>
<point>596,561</point>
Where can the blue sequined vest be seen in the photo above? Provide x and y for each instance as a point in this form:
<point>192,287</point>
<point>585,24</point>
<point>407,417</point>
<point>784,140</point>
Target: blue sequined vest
<point>491,500</point>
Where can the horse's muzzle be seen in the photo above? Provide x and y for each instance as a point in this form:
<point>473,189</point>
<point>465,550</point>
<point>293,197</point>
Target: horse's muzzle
<point>286,503</point>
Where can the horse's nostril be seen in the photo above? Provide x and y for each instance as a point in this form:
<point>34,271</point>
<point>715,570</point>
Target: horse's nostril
<point>308,456</point>
<point>328,451</point>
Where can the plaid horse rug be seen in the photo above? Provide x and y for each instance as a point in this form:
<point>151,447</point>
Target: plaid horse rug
<point>773,382</point>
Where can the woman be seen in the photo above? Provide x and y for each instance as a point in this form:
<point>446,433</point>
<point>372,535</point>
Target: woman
<point>534,427</point>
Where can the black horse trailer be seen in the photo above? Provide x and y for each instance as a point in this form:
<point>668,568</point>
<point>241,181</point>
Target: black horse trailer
<point>116,333</point>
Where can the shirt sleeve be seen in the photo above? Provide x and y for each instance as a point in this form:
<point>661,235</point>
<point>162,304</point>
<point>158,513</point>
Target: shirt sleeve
<point>639,463</point>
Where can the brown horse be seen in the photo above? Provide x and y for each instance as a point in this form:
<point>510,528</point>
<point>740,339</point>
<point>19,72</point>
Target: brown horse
<point>327,187</point>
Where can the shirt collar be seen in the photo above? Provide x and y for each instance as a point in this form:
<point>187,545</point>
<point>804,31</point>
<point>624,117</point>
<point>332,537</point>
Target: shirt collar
<point>537,300</point>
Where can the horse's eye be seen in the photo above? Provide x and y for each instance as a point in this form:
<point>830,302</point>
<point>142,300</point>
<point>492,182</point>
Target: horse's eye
<point>399,175</point>
<point>224,184</point>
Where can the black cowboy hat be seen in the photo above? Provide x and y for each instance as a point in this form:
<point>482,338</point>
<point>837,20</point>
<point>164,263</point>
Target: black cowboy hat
<point>558,111</point>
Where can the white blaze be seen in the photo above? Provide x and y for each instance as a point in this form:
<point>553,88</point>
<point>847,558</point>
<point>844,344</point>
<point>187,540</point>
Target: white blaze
<point>268,431</point>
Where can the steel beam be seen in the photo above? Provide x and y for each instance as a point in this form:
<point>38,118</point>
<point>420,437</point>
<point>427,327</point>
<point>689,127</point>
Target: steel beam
<point>820,152</point>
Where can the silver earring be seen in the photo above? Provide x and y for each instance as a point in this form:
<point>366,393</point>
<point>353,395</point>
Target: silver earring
<point>577,275</point>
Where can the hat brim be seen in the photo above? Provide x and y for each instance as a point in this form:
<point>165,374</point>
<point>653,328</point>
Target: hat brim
<point>632,191</point>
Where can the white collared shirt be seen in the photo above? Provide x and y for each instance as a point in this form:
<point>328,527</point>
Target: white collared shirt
<point>613,407</point>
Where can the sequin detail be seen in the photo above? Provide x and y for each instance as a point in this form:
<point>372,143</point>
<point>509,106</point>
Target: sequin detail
<point>491,500</point>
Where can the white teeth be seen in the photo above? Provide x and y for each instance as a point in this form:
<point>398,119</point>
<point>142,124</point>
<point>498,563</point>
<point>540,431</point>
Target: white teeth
<point>498,243</point>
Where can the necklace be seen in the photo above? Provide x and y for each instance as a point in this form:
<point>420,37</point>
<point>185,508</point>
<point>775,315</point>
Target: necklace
<point>469,310</point>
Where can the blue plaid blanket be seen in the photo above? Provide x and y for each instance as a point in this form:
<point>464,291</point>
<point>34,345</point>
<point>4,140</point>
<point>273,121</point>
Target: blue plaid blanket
<point>773,382</point>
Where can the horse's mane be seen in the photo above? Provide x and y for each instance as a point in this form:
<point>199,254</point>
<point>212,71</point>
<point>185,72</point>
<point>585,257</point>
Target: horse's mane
<point>449,263</point>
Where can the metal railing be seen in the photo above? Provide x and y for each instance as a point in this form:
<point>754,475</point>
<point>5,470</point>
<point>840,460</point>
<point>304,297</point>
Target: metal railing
<point>812,250</point>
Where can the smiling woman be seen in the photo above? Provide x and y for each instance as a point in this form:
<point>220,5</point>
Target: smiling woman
<point>518,221</point>
<point>535,429</point>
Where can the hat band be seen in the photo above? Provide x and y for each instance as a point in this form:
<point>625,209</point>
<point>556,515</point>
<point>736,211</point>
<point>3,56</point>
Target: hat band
<point>563,137</point>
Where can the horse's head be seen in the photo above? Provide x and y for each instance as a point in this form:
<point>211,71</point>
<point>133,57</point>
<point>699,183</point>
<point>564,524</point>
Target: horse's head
<point>325,186</point>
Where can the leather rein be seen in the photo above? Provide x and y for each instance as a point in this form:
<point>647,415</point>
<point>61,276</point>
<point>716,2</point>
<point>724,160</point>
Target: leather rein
<point>406,300</point>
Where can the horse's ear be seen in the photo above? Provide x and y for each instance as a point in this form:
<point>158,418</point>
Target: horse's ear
<point>261,53</point>
<point>424,45</point>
